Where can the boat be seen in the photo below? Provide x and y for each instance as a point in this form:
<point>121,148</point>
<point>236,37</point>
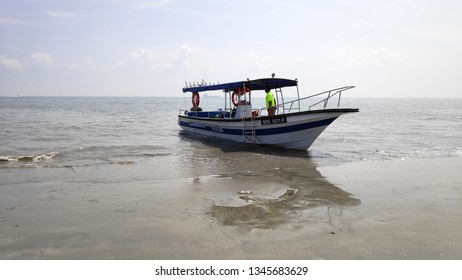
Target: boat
<point>295,124</point>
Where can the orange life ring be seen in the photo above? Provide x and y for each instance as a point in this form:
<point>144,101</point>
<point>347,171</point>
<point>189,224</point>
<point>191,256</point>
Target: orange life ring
<point>235,98</point>
<point>238,92</point>
<point>196,100</point>
<point>242,90</point>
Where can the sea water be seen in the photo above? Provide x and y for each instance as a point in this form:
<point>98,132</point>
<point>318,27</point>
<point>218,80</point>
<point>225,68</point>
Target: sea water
<point>69,132</point>
<point>114,177</point>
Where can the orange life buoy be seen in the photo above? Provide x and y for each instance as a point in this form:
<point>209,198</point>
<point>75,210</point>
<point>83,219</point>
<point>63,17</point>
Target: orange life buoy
<point>238,92</point>
<point>242,90</point>
<point>235,98</point>
<point>196,100</point>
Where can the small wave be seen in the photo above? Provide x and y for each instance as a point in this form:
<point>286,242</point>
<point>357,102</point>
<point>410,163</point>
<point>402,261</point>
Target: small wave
<point>458,153</point>
<point>126,150</point>
<point>28,158</point>
<point>158,154</point>
<point>428,152</point>
<point>25,166</point>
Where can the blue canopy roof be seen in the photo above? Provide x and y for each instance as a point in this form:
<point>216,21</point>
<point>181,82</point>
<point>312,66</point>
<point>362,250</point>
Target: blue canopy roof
<point>259,84</point>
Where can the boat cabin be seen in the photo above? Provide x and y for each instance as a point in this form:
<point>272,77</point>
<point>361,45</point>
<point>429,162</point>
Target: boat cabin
<point>238,98</point>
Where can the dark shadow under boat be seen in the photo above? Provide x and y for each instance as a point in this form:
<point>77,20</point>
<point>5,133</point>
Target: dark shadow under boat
<point>232,146</point>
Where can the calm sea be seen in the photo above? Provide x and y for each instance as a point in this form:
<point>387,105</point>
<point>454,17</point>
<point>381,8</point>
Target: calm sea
<point>117,139</point>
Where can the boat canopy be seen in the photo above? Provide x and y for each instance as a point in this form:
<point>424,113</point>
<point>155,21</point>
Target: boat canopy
<point>259,84</point>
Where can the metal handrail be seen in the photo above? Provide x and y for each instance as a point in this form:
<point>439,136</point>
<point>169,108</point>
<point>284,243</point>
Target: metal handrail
<point>330,93</point>
<point>326,100</point>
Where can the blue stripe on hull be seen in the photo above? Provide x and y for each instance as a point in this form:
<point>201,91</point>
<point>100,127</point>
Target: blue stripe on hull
<point>266,131</point>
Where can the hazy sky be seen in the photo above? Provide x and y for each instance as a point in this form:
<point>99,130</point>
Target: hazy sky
<point>387,48</point>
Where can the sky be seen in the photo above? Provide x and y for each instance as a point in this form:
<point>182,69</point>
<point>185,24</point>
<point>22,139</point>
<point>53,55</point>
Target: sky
<point>393,48</point>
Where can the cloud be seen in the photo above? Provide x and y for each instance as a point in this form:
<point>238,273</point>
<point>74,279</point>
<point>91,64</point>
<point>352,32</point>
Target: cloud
<point>262,62</point>
<point>86,64</point>
<point>61,14</point>
<point>379,54</point>
<point>143,54</point>
<point>186,49</point>
<point>12,21</point>
<point>148,59</point>
<point>145,59</point>
<point>43,58</point>
<point>10,63</point>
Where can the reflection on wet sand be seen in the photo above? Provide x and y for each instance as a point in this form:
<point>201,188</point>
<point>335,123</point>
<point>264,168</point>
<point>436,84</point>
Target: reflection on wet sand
<point>292,197</point>
<point>263,187</point>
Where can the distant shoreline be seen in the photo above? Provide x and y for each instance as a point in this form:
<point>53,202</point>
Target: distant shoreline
<point>217,96</point>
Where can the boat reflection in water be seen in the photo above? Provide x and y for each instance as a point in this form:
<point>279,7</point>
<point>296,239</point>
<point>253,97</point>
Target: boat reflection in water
<point>262,187</point>
<point>281,198</point>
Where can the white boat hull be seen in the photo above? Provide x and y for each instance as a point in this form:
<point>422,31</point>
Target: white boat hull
<point>291,131</point>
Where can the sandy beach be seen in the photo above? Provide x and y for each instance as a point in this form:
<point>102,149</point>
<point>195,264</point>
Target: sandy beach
<point>403,209</point>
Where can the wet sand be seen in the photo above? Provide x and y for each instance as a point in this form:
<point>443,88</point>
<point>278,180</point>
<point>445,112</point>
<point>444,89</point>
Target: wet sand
<point>408,209</point>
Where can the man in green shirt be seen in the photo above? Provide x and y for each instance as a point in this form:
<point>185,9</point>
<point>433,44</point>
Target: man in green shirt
<point>270,102</point>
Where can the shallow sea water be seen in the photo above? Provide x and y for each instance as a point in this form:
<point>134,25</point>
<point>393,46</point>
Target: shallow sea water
<point>74,168</point>
<point>68,132</point>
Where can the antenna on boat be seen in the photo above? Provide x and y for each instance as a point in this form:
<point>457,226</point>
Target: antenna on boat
<point>203,77</point>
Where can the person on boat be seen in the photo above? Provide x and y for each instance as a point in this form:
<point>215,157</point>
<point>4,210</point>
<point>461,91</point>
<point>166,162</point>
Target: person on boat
<point>270,102</point>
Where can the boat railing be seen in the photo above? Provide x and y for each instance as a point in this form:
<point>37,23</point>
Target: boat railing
<point>330,93</point>
<point>287,107</point>
<point>326,96</point>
